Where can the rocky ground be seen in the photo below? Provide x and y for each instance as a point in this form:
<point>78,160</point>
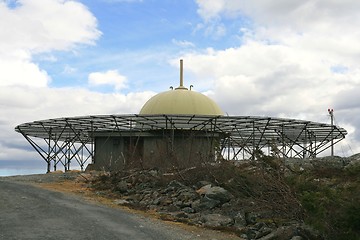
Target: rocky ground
<point>75,185</point>
<point>266,199</point>
<point>254,199</point>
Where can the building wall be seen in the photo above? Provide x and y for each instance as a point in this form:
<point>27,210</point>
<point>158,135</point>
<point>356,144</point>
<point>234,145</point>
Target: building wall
<point>178,152</point>
<point>161,150</point>
<point>116,153</point>
<point>108,153</point>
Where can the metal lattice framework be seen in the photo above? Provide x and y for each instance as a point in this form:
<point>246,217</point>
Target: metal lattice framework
<point>64,140</point>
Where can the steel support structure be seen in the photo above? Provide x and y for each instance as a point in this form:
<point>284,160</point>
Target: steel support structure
<point>55,150</point>
<point>69,141</point>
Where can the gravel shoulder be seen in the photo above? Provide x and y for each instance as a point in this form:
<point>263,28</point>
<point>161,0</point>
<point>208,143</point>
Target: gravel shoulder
<point>60,206</point>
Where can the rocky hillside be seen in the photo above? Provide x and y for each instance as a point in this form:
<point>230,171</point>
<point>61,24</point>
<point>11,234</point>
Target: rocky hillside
<point>269,198</point>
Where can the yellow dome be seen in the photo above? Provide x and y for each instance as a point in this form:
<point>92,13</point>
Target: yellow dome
<point>181,101</point>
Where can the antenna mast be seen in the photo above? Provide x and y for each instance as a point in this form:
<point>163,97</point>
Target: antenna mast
<point>181,87</point>
<point>331,113</point>
<point>181,74</point>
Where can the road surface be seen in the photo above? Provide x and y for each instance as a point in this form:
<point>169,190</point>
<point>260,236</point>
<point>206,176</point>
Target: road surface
<point>29,212</point>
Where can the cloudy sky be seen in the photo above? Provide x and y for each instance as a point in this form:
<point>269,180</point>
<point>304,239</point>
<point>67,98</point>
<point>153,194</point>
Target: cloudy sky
<point>284,58</point>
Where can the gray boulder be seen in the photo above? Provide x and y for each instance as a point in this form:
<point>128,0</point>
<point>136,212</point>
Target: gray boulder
<point>121,187</point>
<point>215,193</point>
<point>298,164</point>
<point>217,220</point>
<point>354,161</point>
<point>334,162</point>
<point>284,232</point>
<point>240,219</point>
<point>205,204</point>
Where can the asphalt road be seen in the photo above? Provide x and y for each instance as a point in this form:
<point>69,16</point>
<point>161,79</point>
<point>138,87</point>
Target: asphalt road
<point>28,212</point>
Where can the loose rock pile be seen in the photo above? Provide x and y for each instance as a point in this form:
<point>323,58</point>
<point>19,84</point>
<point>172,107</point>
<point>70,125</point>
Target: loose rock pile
<point>324,163</point>
<point>251,199</point>
<point>202,203</point>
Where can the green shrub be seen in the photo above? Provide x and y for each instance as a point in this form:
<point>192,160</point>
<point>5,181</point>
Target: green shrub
<point>331,202</point>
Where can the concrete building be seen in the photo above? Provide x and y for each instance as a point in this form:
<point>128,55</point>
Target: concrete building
<point>165,148</point>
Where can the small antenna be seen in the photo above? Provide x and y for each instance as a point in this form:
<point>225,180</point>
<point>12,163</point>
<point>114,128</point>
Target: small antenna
<point>181,87</point>
<point>181,74</point>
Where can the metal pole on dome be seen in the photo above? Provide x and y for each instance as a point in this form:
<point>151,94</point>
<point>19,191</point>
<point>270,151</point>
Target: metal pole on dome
<point>181,73</point>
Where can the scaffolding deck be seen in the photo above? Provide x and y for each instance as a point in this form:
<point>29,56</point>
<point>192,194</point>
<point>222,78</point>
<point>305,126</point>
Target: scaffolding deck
<point>71,138</point>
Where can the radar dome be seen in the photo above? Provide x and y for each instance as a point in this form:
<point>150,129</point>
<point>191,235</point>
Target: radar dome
<point>181,101</point>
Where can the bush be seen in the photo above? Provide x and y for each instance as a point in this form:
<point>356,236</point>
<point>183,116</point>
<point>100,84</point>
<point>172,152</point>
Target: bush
<point>330,201</point>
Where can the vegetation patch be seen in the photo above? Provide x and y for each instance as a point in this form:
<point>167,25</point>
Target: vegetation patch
<point>254,199</point>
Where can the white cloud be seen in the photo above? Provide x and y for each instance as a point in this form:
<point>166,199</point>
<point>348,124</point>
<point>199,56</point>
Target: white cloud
<point>40,26</point>
<point>268,12</point>
<point>110,77</point>
<point>295,47</point>
<point>122,1</point>
<point>326,27</point>
<point>210,9</point>
<point>69,70</point>
<point>44,25</point>
<point>28,28</point>
<point>59,102</point>
<point>300,58</point>
<point>183,43</point>
<point>17,69</point>
<point>265,79</point>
